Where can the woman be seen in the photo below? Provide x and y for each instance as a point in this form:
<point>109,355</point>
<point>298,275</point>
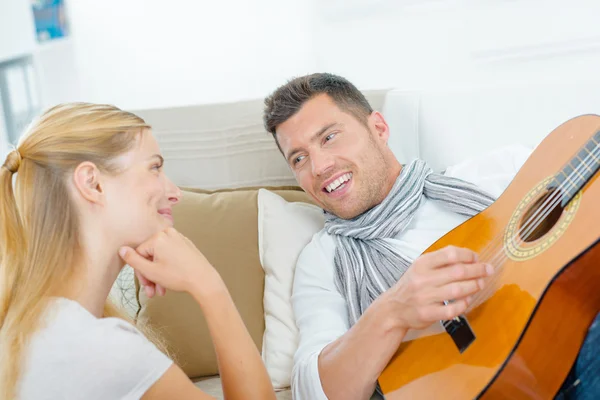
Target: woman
<point>90,197</point>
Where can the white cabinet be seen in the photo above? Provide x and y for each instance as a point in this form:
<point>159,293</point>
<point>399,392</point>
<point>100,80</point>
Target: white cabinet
<point>18,97</point>
<point>3,137</point>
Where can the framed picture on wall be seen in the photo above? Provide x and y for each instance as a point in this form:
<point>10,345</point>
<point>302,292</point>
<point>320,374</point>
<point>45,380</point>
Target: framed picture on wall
<point>50,19</point>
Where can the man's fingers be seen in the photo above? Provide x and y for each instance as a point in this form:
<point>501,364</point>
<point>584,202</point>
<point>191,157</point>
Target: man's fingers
<point>449,255</point>
<point>457,290</point>
<point>455,308</point>
<point>462,273</point>
<point>449,311</point>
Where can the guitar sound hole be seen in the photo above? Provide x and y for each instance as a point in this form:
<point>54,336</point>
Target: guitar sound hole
<point>541,216</point>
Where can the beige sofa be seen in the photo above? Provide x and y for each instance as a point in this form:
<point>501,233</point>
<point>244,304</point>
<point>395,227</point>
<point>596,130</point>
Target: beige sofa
<point>223,225</point>
<point>220,155</point>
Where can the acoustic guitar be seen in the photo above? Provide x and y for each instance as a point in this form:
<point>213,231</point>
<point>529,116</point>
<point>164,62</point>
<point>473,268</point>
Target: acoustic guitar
<point>522,333</point>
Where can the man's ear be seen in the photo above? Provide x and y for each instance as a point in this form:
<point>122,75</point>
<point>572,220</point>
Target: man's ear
<point>86,179</point>
<point>380,126</point>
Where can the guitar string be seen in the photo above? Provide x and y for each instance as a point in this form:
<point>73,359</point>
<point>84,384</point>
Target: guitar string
<point>559,193</point>
<point>531,224</point>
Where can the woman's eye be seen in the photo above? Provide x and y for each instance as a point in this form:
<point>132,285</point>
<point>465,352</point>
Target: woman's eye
<point>157,167</point>
<point>329,137</point>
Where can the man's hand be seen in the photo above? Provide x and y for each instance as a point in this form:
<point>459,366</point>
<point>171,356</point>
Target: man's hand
<point>451,273</point>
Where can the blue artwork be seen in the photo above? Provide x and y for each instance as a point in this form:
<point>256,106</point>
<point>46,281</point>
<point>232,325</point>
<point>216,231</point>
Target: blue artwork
<point>50,19</point>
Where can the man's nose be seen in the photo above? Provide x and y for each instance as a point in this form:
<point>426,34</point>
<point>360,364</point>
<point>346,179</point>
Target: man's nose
<point>321,163</point>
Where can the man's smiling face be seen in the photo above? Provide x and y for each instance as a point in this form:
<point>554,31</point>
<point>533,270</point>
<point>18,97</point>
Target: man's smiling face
<point>342,162</point>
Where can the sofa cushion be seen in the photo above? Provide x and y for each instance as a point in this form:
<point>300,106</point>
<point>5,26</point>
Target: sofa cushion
<point>284,229</point>
<point>212,386</point>
<point>223,225</point>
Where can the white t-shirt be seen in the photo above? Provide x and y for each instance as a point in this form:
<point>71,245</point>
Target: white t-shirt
<point>79,356</point>
<point>320,310</point>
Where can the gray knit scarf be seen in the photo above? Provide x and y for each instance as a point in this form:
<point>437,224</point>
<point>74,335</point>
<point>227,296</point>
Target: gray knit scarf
<point>366,264</point>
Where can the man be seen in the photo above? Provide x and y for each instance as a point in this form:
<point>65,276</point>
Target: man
<point>360,285</point>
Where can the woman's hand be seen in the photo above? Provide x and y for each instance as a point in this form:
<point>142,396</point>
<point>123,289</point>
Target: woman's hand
<point>170,260</point>
<point>150,287</point>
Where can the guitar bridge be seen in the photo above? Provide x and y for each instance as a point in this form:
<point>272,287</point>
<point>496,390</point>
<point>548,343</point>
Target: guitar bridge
<point>460,331</point>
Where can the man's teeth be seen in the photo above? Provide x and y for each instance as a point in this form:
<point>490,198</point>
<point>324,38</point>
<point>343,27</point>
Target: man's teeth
<point>338,182</point>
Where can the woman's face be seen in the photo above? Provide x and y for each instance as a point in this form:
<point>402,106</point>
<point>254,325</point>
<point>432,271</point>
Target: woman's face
<point>139,199</point>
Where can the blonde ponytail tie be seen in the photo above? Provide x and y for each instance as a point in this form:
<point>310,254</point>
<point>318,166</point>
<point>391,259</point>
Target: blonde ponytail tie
<point>13,161</point>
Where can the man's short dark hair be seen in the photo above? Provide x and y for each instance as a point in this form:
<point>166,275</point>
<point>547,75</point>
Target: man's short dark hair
<point>289,98</point>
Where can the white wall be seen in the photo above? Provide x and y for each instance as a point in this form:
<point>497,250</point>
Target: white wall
<point>58,72</point>
<point>423,44</point>
<point>17,31</point>
<point>153,53</point>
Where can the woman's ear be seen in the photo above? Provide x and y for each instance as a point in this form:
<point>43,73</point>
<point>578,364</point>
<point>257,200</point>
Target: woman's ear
<point>86,179</point>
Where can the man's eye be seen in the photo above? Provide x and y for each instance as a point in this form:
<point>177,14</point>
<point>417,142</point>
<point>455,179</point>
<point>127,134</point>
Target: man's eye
<point>157,167</point>
<point>298,159</point>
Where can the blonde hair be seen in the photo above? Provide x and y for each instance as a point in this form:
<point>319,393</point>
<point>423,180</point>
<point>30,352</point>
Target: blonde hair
<point>39,227</point>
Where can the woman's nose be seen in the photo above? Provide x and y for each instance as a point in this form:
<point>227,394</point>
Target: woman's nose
<point>174,193</point>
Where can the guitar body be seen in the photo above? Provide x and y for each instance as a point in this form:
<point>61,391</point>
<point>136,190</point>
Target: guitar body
<point>538,306</point>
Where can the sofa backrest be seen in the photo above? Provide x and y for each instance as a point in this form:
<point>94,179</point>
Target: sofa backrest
<point>446,126</point>
<point>216,146</point>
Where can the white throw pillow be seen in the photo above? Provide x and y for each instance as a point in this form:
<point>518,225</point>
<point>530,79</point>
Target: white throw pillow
<point>284,229</point>
<point>122,292</point>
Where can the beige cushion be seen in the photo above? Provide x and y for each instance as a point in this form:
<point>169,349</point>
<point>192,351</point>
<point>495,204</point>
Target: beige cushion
<point>223,225</point>
<point>212,386</point>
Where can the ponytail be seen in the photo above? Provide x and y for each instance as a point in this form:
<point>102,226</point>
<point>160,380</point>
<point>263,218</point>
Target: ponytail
<point>12,256</point>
